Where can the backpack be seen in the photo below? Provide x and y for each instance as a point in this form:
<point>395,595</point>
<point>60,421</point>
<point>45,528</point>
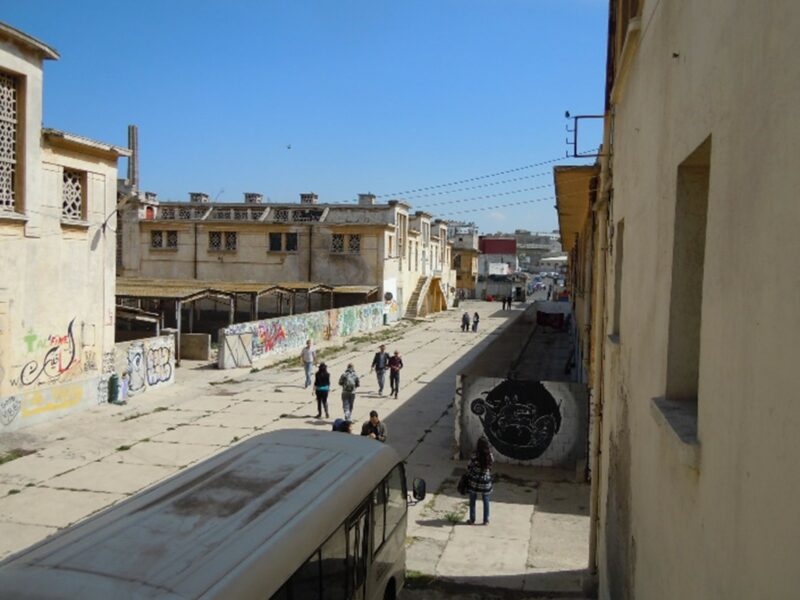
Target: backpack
<point>348,381</point>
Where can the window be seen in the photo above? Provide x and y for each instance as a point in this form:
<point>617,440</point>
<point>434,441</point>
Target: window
<point>354,244</point>
<point>291,242</point>
<point>172,239</point>
<point>230,240</point>
<point>282,214</point>
<point>274,242</point>
<point>156,239</point>
<point>9,124</point>
<point>378,516</point>
<point>73,195</point>
<point>391,246</point>
<point>619,241</point>
<point>164,239</point>
<point>457,261</point>
<point>337,243</point>
<point>396,499</point>
<point>215,240</point>
<point>306,580</point>
<point>688,258</point>
<point>334,566</point>
<point>357,551</point>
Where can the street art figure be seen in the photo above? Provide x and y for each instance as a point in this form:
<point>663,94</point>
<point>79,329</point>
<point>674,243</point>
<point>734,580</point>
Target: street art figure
<point>520,418</point>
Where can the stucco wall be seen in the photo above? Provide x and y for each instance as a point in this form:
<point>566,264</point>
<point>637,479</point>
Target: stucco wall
<point>148,363</point>
<point>244,343</point>
<point>727,527</point>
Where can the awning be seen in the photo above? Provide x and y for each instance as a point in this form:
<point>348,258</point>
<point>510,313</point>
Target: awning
<point>575,187</point>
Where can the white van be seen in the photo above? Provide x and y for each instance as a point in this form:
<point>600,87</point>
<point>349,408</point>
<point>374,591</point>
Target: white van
<point>293,514</point>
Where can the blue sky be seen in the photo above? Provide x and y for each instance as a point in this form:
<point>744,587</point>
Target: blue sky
<point>373,96</point>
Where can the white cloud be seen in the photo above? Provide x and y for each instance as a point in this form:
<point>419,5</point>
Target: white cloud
<point>497,216</point>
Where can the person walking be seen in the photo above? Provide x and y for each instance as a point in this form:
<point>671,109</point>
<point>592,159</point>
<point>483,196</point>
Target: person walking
<point>380,363</point>
<point>508,302</point>
<point>309,356</point>
<point>504,302</point>
<point>465,321</point>
<point>349,382</point>
<point>374,428</point>
<point>475,320</point>
<point>479,479</point>
<point>322,386</point>
<point>395,364</point>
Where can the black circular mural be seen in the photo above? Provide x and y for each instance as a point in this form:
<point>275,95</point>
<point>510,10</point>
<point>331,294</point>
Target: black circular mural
<point>520,418</point>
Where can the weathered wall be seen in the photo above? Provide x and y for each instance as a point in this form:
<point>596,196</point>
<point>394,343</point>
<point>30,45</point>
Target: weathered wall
<point>148,363</point>
<point>243,343</point>
<point>527,422</point>
<point>195,346</point>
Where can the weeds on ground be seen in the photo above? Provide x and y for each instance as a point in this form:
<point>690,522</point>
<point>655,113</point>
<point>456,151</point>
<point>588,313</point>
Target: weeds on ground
<point>418,580</point>
<point>14,455</point>
<point>12,492</point>
<point>227,380</point>
<point>454,517</point>
<point>235,439</point>
<point>123,448</point>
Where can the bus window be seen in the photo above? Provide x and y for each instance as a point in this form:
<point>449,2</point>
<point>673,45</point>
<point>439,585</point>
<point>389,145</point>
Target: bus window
<point>357,551</point>
<point>396,499</point>
<point>379,515</point>
<point>305,582</point>
<point>334,566</point>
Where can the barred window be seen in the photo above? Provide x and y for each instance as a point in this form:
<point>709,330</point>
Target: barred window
<point>274,242</point>
<point>156,239</point>
<point>354,244</point>
<point>73,200</point>
<point>282,214</point>
<point>291,242</point>
<point>172,239</point>
<point>337,243</point>
<point>8,142</point>
<point>184,212</point>
<point>230,240</point>
<point>215,240</point>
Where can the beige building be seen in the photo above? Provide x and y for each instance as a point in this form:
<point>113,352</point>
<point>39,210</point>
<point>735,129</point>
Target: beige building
<point>57,195</point>
<point>683,253</point>
<point>464,237</point>
<point>406,255</point>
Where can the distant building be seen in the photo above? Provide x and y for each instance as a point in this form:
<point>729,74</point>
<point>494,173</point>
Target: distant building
<point>57,199</point>
<point>532,247</point>
<point>498,257</point>
<point>464,237</point>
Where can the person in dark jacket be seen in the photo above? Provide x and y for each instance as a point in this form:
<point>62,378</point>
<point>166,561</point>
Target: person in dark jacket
<point>343,426</point>
<point>380,363</point>
<point>373,428</point>
<point>322,385</point>
<point>465,321</point>
<point>475,320</point>
<point>479,479</point>
<point>395,364</point>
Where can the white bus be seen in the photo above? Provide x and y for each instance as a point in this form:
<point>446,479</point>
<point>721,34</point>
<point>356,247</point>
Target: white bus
<point>289,515</point>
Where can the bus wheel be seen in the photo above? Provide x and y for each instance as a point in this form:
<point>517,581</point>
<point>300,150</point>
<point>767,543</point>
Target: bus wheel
<point>391,591</point>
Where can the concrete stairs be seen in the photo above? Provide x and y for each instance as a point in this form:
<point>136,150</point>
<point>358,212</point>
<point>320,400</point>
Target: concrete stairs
<point>415,303</point>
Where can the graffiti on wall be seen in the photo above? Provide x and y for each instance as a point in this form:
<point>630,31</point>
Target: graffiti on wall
<point>520,418</point>
<point>159,366</point>
<point>9,409</point>
<point>56,356</point>
<point>136,368</point>
<point>282,334</point>
<point>38,404</point>
<point>146,363</point>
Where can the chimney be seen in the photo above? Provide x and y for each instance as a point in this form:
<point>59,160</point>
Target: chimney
<point>253,198</point>
<point>198,197</point>
<point>366,199</point>
<point>151,196</point>
<point>310,198</point>
<point>133,161</point>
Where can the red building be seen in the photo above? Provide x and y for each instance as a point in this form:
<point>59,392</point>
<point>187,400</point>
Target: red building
<point>491,245</point>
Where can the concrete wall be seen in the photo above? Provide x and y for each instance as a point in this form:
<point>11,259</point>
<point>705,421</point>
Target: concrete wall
<point>531,423</point>
<point>147,363</point>
<point>195,346</point>
<point>716,517</point>
<point>244,343</point>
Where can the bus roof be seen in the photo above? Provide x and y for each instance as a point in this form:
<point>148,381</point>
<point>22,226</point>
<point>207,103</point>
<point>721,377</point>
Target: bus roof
<point>231,526</point>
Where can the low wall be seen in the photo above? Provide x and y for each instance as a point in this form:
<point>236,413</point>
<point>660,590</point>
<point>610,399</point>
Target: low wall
<point>196,346</point>
<point>242,344</point>
<point>147,363</point>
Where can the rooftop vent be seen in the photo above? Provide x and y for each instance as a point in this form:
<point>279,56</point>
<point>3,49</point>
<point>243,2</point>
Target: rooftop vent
<point>151,196</point>
<point>366,199</point>
<point>253,198</point>
<point>198,197</point>
<point>310,198</point>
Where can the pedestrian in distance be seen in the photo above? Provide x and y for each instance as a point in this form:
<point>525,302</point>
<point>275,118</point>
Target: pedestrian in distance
<point>479,479</point>
<point>322,386</point>
<point>504,303</point>
<point>508,302</point>
<point>465,321</point>
<point>374,428</point>
<point>309,356</point>
<point>380,363</point>
<point>395,364</point>
<point>349,382</point>
<point>475,320</point>
<point>343,426</point>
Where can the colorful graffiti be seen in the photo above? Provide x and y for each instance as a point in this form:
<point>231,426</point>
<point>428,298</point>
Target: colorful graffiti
<point>39,404</point>
<point>147,363</point>
<point>283,334</point>
<point>159,365</point>
<point>52,399</point>
<point>59,357</point>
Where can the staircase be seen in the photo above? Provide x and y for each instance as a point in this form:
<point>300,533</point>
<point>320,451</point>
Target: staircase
<point>416,301</point>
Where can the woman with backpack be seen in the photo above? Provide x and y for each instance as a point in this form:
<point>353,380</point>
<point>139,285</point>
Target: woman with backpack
<point>322,385</point>
<point>479,479</point>
<point>349,382</point>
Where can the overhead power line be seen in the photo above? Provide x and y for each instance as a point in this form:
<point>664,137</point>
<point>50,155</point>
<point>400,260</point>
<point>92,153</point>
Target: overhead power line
<point>483,185</point>
<point>497,195</point>
<point>518,203</point>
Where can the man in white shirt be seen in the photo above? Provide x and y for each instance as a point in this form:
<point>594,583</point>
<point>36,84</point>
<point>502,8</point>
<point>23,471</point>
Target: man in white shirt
<point>309,357</point>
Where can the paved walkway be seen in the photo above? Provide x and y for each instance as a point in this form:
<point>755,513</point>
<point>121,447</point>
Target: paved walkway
<point>83,463</point>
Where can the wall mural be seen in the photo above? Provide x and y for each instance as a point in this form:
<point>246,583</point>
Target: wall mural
<point>147,363</point>
<point>283,334</point>
<point>53,356</point>
<point>520,418</point>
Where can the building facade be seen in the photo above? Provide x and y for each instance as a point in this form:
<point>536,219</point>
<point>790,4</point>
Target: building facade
<point>464,237</point>
<point>686,330</point>
<point>57,198</point>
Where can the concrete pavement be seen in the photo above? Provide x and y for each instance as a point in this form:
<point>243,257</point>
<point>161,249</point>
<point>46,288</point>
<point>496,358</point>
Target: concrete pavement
<point>538,538</point>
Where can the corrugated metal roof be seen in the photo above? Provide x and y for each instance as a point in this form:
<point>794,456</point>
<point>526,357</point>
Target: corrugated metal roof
<point>182,289</point>
<point>354,289</point>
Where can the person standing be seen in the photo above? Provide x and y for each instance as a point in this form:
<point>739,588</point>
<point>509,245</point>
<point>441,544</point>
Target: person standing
<point>475,320</point>
<point>322,386</point>
<point>380,362</point>
<point>309,356</point>
<point>395,364</point>
<point>349,382</point>
<point>508,302</point>
<point>479,479</point>
<point>504,302</point>
<point>373,428</point>
<point>465,321</point>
